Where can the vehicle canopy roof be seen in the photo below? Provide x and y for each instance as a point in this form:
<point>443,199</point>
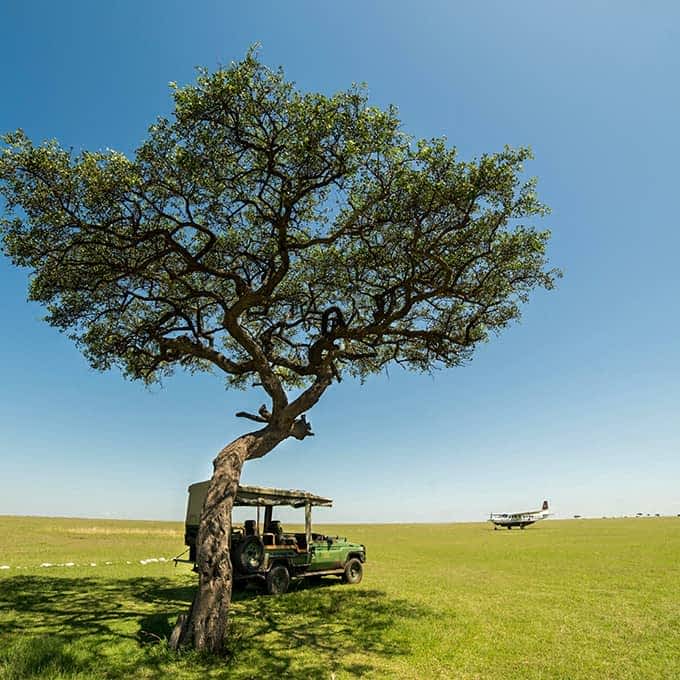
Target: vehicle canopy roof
<point>259,495</point>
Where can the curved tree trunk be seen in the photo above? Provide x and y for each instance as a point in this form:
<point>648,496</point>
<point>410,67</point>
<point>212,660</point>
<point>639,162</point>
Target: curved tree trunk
<point>205,626</point>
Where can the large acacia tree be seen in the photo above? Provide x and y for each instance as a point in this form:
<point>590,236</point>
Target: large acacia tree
<point>280,238</point>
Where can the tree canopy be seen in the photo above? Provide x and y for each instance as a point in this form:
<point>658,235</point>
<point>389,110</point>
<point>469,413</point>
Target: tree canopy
<point>284,238</point>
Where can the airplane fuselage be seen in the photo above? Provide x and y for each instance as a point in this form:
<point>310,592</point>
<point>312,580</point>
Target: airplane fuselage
<point>518,519</point>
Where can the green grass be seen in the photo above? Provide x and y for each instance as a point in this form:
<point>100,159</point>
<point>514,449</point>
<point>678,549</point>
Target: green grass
<point>563,599</point>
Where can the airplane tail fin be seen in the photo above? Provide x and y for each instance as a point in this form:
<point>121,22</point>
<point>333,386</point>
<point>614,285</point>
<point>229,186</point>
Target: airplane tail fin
<point>545,505</point>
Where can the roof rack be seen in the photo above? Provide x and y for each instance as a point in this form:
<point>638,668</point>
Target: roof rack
<point>259,495</point>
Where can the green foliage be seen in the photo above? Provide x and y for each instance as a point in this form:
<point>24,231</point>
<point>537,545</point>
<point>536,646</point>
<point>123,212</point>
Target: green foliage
<point>255,210</point>
<point>563,599</point>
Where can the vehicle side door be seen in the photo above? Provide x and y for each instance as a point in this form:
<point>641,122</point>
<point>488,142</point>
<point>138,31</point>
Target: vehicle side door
<point>325,555</point>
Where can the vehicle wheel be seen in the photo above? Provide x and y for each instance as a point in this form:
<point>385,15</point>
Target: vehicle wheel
<point>354,571</point>
<point>278,580</point>
<point>249,555</point>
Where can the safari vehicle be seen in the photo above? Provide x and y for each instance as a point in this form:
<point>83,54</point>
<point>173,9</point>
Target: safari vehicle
<point>264,553</point>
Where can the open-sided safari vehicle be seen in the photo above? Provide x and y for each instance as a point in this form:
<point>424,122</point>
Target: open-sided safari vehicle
<point>266,553</point>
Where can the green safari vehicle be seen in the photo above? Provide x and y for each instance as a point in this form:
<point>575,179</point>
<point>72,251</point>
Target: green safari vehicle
<point>263,552</point>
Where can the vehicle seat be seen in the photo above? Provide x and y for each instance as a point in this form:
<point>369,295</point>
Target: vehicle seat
<point>301,541</point>
<point>276,529</point>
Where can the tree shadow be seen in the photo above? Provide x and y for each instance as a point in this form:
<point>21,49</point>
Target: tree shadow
<point>337,629</point>
<point>62,627</point>
<point>313,631</point>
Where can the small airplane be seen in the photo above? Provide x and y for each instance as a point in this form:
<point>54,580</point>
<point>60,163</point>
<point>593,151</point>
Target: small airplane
<point>518,519</point>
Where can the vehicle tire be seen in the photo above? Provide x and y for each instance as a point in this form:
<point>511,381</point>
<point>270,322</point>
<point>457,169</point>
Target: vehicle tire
<point>354,571</point>
<point>278,580</point>
<point>249,555</point>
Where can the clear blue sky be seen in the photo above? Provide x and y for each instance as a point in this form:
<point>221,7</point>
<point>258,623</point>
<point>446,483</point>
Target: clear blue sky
<point>578,403</point>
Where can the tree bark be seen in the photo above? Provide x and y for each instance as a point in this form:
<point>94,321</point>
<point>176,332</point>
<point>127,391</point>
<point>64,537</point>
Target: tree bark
<point>205,626</point>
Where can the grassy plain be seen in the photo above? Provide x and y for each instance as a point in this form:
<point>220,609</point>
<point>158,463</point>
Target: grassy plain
<point>562,599</point>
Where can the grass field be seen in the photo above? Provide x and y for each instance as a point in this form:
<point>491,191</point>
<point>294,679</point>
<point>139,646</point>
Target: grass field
<point>563,599</point>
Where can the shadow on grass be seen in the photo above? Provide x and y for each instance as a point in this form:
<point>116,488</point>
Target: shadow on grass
<point>64,627</point>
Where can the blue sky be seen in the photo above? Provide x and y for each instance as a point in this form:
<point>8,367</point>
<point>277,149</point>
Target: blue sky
<point>578,403</point>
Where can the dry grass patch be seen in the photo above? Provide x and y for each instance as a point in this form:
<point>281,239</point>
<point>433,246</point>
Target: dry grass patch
<point>123,531</point>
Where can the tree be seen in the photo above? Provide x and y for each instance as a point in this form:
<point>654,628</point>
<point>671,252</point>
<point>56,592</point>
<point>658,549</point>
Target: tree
<point>284,239</point>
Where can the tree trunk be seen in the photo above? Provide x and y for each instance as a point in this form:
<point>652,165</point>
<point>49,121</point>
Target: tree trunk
<point>205,626</point>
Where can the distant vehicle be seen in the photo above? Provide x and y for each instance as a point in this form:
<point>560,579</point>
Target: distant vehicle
<point>518,519</point>
<point>264,553</point>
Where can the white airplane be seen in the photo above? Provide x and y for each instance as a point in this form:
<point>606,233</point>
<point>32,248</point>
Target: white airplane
<point>518,519</point>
